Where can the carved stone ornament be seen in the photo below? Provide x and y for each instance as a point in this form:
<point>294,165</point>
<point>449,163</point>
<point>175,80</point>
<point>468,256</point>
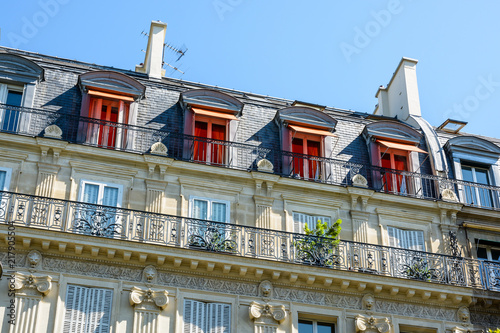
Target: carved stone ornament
<point>266,290</point>
<point>149,274</point>
<point>265,166</point>
<point>34,259</point>
<point>359,180</point>
<point>457,329</point>
<point>463,314</point>
<point>148,297</point>
<point>266,313</point>
<point>159,148</point>
<point>53,131</point>
<point>372,325</point>
<point>449,195</point>
<point>368,302</point>
<point>32,285</point>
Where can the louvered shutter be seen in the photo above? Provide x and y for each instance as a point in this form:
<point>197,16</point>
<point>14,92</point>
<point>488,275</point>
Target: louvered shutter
<point>88,310</point>
<point>392,237</point>
<point>194,316</point>
<point>218,212</point>
<point>299,220</point>
<point>323,219</point>
<point>200,209</point>
<point>218,318</point>
<point>3,175</point>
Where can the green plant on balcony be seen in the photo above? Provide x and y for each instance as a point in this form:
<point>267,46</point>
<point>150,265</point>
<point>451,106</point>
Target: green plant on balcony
<point>494,331</point>
<point>419,270</point>
<point>318,246</point>
<point>214,239</point>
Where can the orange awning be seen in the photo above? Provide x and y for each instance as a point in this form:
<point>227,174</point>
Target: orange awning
<point>400,146</point>
<point>310,130</point>
<point>216,114</point>
<point>110,95</point>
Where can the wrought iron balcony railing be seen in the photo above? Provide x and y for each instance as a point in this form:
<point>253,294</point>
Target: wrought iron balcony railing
<point>181,232</point>
<point>235,155</point>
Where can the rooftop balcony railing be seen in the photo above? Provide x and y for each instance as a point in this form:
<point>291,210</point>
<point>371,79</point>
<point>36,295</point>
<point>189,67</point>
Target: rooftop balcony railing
<point>235,155</point>
<point>231,239</point>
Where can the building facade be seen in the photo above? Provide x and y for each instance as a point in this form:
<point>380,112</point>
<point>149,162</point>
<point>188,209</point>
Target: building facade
<point>132,202</point>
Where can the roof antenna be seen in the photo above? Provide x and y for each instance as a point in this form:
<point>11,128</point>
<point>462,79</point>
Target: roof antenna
<point>181,51</point>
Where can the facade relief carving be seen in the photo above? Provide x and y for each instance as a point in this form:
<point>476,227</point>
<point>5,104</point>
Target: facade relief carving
<point>372,325</point>
<point>34,259</point>
<point>149,274</point>
<point>266,290</point>
<point>148,298</point>
<point>368,302</point>
<point>267,314</point>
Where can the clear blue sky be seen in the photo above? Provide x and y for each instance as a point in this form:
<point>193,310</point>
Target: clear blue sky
<point>325,52</point>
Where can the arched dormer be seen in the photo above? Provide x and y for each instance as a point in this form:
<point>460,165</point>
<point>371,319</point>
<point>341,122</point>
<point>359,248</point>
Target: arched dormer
<point>210,114</point>
<point>394,145</point>
<point>305,134</point>
<point>110,97</point>
<point>475,160</point>
<point>18,80</point>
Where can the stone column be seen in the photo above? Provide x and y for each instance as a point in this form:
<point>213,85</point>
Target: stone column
<point>266,317</point>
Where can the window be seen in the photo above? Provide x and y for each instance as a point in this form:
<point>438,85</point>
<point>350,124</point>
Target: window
<point>5,174</point>
<point>313,326</point>
<point>11,95</point>
<point>416,329</point>
<point>490,251</point>
<point>406,239</point>
<point>300,220</point>
<point>477,195</point>
<point>110,100</point>
<point>88,310</point>
<point>213,150</point>
<point>101,193</point>
<point>201,317</point>
<point>306,151</point>
<point>209,209</point>
<point>394,181</point>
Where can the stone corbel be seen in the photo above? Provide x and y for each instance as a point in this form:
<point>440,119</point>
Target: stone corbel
<point>372,324</point>
<point>31,285</point>
<point>266,313</point>
<point>148,298</point>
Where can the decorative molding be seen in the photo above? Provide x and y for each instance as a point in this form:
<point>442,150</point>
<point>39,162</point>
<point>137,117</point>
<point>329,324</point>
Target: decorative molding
<point>53,131</point>
<point>34,259</point>
<point>159,148</point>
<point>449,195</point>
<point>266,313</point>
<point>372,324</point>
<point>31,285</point>
<point>102,169</point>
<point>368,302</point>
<point>405,216</point>
<point>265,166</point>
<point>148,297</point>
<point>360,181</point>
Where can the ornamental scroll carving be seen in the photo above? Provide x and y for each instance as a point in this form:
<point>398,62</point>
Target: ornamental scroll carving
<point>372,325</point>
<point>32,285</point>
<point>148,298</point>
<point>266,313</point>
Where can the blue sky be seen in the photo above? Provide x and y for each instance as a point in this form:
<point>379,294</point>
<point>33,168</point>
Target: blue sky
<point>325,52</point>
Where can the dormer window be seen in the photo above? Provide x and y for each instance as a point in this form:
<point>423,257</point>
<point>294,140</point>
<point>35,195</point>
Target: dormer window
<point>393,148</point>
<point>18,79</point>
<point>109,102</point>
<point>210,120</point>
<point>477,163</point>
<point>306,136</point>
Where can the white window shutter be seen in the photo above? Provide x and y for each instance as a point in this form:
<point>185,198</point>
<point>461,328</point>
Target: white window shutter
<point>3,93</point>
<point>200,209</point>
<point>420,244</point>
<point>392,236</point>
<point>299,220</point>
<point>218,318</point>
<point>194,316</point>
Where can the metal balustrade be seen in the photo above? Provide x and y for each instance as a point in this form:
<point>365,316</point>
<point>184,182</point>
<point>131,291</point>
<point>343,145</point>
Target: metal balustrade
<point>235,155</point>
<point>174,231</point>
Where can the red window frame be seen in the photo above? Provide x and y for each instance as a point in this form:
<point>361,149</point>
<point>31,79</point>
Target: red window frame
<point>397,161</point>
<point>305,148</point>
<point>110,112</point>
<point>209,133</point>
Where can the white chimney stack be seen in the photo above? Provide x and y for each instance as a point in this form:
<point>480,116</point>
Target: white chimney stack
<point>153,61</point>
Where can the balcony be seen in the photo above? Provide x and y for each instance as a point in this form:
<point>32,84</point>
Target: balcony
<point>181,232</point>
<point>235,155</point>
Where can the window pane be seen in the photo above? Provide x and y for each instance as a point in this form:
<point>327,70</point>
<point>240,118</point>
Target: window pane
<point>3,174</point>
<point>325,328</point>
<point>219,212</point>
<point>305,326</point>
<point>200,209</point>
<point>110,196</point>
<point>495,254</point>
<point>14,98</point>
<point>91,193</point>
<point>467,174</point>
<point>481,253</point>
<point>482,176</point>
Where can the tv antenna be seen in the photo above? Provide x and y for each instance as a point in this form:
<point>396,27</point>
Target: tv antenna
<point>181,52</point>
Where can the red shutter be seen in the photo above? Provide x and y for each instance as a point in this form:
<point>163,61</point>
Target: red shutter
<point>218,149</point>
<point>313,148</point>
<point>200,147</point>
<point>298,162</point>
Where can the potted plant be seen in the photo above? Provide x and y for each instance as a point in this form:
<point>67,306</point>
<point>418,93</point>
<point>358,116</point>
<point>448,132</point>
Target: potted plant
<point>317,247</point>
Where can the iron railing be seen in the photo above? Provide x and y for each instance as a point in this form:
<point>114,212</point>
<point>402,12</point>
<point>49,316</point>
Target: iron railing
<point>235,155</point>
<point>182,232</point>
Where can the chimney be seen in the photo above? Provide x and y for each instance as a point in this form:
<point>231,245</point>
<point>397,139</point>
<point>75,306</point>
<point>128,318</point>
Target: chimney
<point>400,97</point>
<point>153,61</point>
